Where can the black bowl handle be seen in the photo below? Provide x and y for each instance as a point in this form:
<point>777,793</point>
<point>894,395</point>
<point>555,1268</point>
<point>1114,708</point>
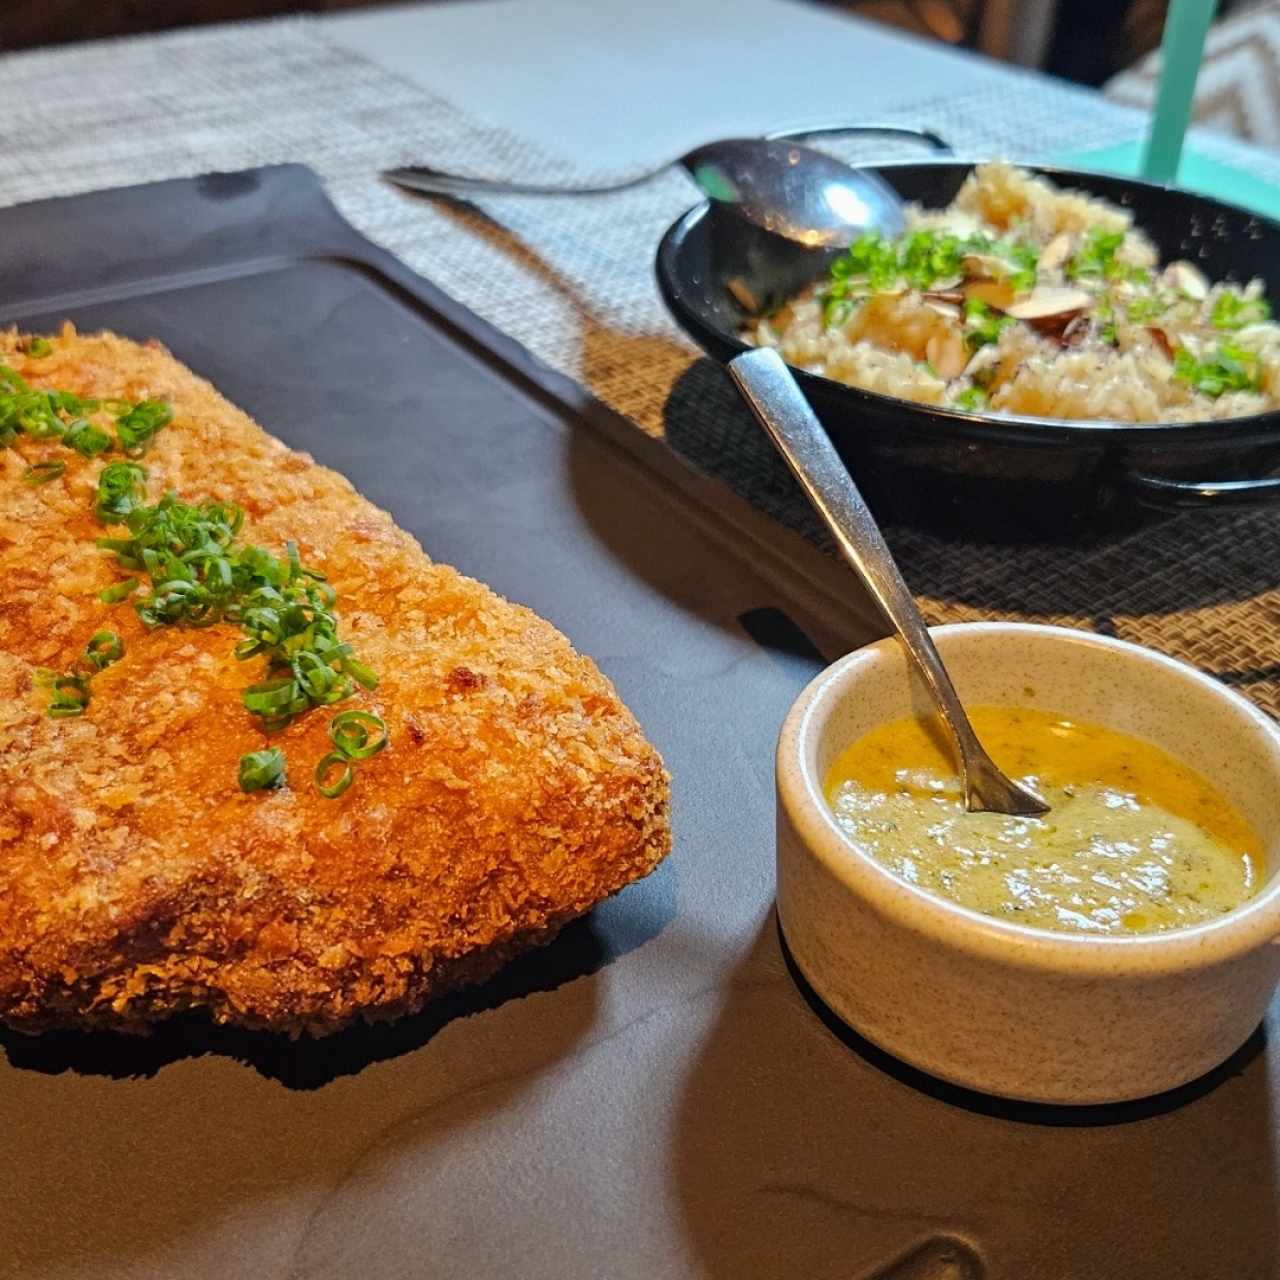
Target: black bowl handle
<point>929,138</point>
<point>1163,491</point>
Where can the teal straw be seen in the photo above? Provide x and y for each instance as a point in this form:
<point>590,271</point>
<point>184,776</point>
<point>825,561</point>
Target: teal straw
<point>1184,32</point>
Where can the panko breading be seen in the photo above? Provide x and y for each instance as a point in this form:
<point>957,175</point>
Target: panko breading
<point>137,880</point>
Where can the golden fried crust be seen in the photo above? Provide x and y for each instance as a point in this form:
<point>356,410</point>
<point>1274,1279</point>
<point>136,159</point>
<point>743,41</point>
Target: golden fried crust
<point>136,880</point>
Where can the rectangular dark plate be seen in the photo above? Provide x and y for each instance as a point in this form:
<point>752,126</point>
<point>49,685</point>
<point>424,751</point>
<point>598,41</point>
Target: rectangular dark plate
<point>654,1095</point>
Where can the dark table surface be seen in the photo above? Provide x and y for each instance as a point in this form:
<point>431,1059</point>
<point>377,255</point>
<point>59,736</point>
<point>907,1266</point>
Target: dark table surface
<point>656,1094</point>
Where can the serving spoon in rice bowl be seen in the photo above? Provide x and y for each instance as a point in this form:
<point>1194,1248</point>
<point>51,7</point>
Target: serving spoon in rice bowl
<point>794,191</point>
<point>778,403</point>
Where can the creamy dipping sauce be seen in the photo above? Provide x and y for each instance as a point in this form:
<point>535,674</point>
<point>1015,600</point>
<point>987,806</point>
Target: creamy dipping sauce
<point>1135,842</point>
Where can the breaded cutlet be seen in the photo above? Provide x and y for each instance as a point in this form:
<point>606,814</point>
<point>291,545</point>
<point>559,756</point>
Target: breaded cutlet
<point>137,880</point>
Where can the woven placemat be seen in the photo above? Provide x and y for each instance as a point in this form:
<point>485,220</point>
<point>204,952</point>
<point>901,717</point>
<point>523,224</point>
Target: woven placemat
<point>572,281</point>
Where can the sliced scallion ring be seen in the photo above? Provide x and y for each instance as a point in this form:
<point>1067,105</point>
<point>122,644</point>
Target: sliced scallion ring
<point>262,770</point>
<point>328,784</point>
<point>70,696</point>
<point>86,439</point>
<point>350,731</point>
<point>42,472</point>
<point>119,591</point>
<point>104,648</point>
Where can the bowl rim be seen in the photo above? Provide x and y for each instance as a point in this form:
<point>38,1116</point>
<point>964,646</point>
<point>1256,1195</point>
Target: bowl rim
<point>1015,427</point>
<point>1254,923</point>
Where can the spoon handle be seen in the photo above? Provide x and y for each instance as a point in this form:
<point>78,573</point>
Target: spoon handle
<point>436,182</point>
<point>775,399</point>
<point>782,410</point>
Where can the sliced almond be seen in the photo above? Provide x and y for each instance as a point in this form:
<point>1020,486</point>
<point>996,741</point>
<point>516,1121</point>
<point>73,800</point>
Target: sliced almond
<point>1189,280</point>
<point>944,295</point>
<point>1057,251</point>
<point>946,352</point>
<point>983,266</point>
<point>984,358</point>
<point>1059,328</point>
<point>948,309</point>
<point>995,293</point>
<point>1161,339</point>
<point>1042,303</point>
<point>945,286</point>
<point>1075,331</point>
<point>1067,330</point>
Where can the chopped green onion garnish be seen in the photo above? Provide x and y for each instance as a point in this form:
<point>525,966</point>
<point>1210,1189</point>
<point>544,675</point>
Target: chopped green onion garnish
<point>121,487</point>
<point>136,428</point>
<point>982,324</point>
<point>1143,309</point>
<point>70,404</point>
<point>262,770</point>
<point>1233,311</point>
<point>119,591</point>
<point>870,258</point>
<point>104,648</point>
<point>1025,259</point>
<point>32,413</point>
<point>43,472</point>
<point>350,733</point>
<point>361,674</point>
<point>1229,368</point>
<point>1097,256</point>
<point>921,259</point>
<point>273,698</point>
<point>51,415</point>
<point>926,256</point>
<point>70,689</point>
<point>836,311</point>
<point>86,439</point>
<point>328,784</point>
<point>971,400</point>
<point>39,347</point>
<point>70,696</point>
<point>199,576</point>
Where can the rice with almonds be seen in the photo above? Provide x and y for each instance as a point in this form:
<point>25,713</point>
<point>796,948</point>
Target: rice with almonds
<point>1023,298</point>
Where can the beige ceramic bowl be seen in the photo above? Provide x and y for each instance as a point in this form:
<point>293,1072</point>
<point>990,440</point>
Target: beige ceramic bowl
<point>1007,1009</point>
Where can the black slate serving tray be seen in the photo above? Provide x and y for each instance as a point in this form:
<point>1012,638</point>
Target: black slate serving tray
<point>656,1094</point>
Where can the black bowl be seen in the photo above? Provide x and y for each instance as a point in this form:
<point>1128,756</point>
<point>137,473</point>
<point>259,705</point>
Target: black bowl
<point>1002,473</point>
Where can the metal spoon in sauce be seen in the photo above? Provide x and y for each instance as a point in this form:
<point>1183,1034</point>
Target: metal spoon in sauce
<point>769,389</point>
<point>795,191</point>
